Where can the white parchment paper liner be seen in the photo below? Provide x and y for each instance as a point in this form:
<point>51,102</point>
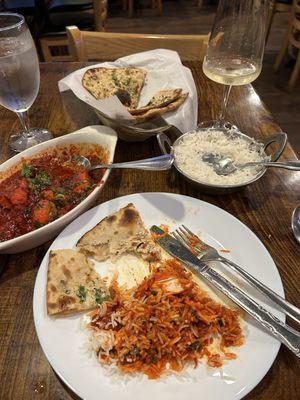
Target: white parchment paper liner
<point>164,71</point>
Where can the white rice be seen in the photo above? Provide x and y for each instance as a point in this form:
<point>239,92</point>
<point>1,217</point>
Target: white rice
<point>191,148</point>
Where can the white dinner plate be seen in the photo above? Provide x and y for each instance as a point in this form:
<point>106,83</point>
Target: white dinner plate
<point>62,340</point>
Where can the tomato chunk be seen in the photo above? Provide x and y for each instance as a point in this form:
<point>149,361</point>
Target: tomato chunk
<point>43,212</point>
<point>19,196</point>
<point>81,181</point>
<point>47,194</point>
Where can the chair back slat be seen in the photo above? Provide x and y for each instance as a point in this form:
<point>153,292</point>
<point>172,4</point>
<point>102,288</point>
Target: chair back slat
<point>85,46</point>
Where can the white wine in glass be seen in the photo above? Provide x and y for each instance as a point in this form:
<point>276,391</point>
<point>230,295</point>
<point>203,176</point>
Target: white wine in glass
<point>19,78</point>
<point>236,46</point>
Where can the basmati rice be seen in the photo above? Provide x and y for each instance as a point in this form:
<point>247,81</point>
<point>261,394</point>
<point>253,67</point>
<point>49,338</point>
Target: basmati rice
<point>191,148</point>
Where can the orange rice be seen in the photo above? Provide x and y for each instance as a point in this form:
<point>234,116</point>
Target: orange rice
<point>159,329</point>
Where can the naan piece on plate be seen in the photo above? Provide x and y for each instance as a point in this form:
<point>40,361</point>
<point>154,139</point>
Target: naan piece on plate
<point>120,233</point>
<point>105,82</point>
<point>72,283</point>
<point>161,110</point>
<point>160,99</point>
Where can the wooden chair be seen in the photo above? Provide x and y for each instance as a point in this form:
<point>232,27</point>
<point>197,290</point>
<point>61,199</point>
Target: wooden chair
<point>55,48</point>
<point>86,46</point>
<point>54,45</point>
<point>199,4</point>
<point>276,6</point>
<point>129,4</point>
<point>292,38</point>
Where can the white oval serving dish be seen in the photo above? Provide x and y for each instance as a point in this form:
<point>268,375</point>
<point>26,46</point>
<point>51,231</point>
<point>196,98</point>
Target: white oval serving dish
<point>97,134</point>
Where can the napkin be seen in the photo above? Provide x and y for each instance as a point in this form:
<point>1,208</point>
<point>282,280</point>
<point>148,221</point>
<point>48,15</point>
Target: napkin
<point>164,70</point>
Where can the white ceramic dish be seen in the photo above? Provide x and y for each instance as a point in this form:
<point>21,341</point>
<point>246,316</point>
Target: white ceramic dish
<point>63,341</point>
<point>98,134</point>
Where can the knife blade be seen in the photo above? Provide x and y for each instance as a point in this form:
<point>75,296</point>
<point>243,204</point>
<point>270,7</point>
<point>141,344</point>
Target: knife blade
<point>284,333</point>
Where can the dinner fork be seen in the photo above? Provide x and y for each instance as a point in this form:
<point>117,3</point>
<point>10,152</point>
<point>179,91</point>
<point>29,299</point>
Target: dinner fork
<point>208,253</point>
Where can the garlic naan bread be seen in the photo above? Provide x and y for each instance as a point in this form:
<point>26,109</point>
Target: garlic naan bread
<point>121,232</point>
<point>161,110</point>
<point>72,283</point>
<point>160,99</point>
<point>105,82</point>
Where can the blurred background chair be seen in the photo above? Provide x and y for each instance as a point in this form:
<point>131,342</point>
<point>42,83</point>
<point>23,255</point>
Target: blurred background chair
<point>199,4</point>
<point>85,46</point>
<point>277,6</point>
<point>129,5</point>
<point>292,39</point>
<point>86,14</point>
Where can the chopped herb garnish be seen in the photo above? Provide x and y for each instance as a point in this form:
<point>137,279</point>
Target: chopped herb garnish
<point>60,190</point>
<point>91,186</point>
<point>134,351</point>
<point>100,296</point>
<point>153,359</point>
<point>39,182</point>
<point>81,293</point>
<point>26,171</point>
<point>115,79</point>
<point>59,196</point>
<point>37,224</point>
<point>43,179</point>
<point>27,210</point>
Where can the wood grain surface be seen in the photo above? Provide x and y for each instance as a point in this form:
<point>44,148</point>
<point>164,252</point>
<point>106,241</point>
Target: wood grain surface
<point>265,207</point>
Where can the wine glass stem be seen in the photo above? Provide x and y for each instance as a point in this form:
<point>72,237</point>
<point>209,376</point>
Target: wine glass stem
<point>221,116</point>
<point>24,119</point>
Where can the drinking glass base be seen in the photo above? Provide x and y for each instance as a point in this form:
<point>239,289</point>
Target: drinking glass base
<point>23,140</point>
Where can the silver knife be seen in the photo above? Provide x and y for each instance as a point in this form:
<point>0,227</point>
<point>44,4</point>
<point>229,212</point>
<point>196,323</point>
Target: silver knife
<point>284,333</point>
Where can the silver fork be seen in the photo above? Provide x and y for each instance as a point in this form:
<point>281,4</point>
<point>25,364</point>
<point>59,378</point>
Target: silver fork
<point>209,253</point>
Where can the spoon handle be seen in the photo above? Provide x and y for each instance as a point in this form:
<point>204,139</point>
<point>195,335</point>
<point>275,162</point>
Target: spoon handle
<point>291,165</point>
<point>159,163</point>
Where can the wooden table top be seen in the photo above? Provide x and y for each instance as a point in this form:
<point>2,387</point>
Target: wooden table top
<point>265,207</point>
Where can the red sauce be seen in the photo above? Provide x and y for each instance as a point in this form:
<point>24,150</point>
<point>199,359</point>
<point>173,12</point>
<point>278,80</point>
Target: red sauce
<point>42,190</point>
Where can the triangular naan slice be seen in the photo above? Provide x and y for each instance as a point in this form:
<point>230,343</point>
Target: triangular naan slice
<point>105,82</point>
<point>72,283</point>
<point>160,99</point>
<point>161,110</point>
<point>121,232</point>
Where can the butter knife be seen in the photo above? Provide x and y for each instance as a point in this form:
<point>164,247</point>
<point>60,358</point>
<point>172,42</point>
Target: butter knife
<point>282,332</point>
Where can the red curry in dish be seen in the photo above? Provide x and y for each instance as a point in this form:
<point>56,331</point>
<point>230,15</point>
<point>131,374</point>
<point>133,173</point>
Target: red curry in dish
<point>45,188</point>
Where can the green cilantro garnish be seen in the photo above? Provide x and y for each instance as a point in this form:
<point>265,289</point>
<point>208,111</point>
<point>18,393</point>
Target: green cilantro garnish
<point>37,224</point>
<point>42,179</point>
<point>134,351</point>
<point>27,210</point>
<point>39,182</point>
<point>115,79</point>
<point>59,190</point>
<point>59,197</point>
<point>81,293</point>
<point>26,170</point>
<point>100,296</point>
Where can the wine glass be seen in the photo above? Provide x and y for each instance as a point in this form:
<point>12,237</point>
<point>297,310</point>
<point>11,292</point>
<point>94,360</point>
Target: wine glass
<point>235,49</point>
<point>19,78</point>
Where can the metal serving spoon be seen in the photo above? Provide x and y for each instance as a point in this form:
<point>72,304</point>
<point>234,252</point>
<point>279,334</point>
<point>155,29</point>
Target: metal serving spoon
<point>159,163</point>
<point>225,165</point>
<point>296,223</point>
